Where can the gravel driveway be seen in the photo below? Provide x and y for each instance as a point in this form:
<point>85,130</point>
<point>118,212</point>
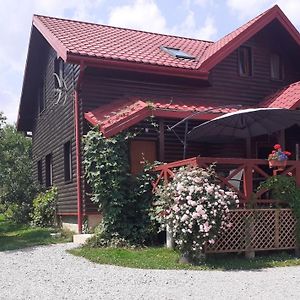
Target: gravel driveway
<point>48,272</point>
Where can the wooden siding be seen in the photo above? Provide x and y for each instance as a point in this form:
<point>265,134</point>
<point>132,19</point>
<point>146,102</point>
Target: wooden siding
<point>54,127</point>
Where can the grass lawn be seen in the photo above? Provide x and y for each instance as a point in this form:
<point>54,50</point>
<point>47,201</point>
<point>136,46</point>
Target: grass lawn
<point>162,258</point>
<point>14,236</point>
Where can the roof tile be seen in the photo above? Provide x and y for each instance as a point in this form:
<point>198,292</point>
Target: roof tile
<point>287,97</point>
<point>115,117</point>
<point>104,41</point>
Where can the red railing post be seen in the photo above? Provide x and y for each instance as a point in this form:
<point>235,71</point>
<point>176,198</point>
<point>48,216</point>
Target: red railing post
<point>297,173</point>
<point>248,181</point>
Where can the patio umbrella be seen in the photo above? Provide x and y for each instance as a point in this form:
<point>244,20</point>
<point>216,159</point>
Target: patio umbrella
<point>246,123</point>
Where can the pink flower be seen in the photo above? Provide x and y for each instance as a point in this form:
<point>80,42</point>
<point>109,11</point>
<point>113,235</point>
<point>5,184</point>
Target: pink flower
<point>195,215</point>
<point>184,218</point>
<point>210,189</point>
<point>199,210</point>
<point>206,227</point>
<point>175,208</point>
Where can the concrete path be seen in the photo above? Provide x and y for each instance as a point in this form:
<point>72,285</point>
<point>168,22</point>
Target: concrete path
<point>48,272</point>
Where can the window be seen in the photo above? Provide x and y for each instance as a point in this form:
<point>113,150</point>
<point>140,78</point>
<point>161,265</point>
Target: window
<point>49,170</point>
<point>68,161</point>
<point>40,171</point>
<point>245,61</point>
<point>276,65</point>
<point>177,53</point>
<point>41,100</point>
<point>58,70</point>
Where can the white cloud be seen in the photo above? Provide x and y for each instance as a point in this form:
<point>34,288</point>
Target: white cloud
<point>190,28</point>
<point>291,8</point>
<point>141,14</point>
<point>145,15</point>
<point>9,105</point>
<point>248,9</point>
<point>209,30</point>
<point>205,3</point>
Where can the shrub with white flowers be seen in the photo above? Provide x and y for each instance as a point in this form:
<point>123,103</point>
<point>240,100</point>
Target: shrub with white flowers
<point>195,207</point>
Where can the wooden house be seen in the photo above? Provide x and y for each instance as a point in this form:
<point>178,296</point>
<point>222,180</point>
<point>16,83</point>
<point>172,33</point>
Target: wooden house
<point>116,78</point>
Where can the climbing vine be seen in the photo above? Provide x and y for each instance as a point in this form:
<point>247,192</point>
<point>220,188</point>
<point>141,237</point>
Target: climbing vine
<point>122,199</point>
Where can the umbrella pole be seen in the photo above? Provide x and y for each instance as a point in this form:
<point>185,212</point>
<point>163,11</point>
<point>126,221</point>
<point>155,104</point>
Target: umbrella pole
<point>185,138</point>
<point>248,147</point>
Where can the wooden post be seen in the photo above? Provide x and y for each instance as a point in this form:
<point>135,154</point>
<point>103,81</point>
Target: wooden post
<point>248,182</point>
<point>249,226</point>
<point>161,140</point>
<point>297,175</point>
<point>169,238</point>
<point>281,138</point>
<point>276,231</point>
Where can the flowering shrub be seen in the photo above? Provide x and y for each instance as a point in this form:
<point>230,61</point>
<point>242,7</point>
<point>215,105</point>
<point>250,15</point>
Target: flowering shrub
<point>278,154</point>
<point>195,208</point>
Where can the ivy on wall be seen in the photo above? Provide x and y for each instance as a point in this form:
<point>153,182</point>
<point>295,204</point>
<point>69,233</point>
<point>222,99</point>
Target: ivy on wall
<point>122,199</point>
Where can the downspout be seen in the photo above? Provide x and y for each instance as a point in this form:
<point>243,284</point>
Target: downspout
<point>78,148</point>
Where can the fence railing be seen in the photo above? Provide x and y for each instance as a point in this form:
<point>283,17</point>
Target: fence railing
<point>241,175</point>
<point>256,230</point>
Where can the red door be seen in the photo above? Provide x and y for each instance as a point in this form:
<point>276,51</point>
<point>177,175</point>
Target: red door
<point>140,150</point>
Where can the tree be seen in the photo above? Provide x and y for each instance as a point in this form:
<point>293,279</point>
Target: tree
<point>16,185</point>
<point>2,119</point>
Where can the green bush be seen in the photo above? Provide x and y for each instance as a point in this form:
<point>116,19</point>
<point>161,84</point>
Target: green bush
<point>44,208</point>
<point>17,188</point>
<point>18,212</point>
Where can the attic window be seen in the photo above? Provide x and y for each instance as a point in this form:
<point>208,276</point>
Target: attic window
<point>276,67</point>
<point>245,61</point>
<point>176,52</point>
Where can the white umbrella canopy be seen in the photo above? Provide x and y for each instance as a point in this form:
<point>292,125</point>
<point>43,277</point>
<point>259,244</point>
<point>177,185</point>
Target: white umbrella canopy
<point>246,123</point>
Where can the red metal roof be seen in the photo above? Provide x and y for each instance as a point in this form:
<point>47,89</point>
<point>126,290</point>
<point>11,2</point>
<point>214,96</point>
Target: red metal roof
<point>107,42</point>
<point>120,115</point>
<point>223,47</point>
<point>76,41</point>
<point>288,97</point>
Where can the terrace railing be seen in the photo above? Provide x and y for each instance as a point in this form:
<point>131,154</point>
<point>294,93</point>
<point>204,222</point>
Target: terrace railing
<point>252,171</point>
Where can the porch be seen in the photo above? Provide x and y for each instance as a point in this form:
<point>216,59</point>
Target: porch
<point>260,222</point>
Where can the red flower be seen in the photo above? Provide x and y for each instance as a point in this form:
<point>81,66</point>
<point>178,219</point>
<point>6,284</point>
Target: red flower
<point>277,146</point>
<point>287,153</point>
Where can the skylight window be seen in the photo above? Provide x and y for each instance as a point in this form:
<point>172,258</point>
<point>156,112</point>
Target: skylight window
<point>177,53</point>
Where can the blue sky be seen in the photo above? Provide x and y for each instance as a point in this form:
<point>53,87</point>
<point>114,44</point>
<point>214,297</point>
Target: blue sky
<point>203,19</point>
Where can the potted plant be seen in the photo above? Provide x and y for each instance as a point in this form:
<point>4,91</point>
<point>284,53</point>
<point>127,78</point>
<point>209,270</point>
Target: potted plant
<point>278,158</point>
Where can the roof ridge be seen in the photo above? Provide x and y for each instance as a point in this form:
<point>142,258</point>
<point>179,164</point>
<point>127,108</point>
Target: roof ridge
<point>124,28</point>
<point>244,24</point>
<point>229,40</point>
